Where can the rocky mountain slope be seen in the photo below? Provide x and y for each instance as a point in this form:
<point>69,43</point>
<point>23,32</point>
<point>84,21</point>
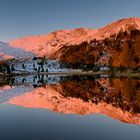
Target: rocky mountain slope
<point>116,44</point>
<point>120,50</point>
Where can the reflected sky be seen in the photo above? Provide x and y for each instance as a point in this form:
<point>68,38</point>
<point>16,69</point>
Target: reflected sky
<point>21,123</point>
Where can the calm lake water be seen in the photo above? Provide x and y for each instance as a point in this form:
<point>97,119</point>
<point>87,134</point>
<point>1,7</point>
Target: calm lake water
<point>51,107</point>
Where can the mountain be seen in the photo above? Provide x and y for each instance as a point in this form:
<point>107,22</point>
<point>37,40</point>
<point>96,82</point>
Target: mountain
<point>8,52</point>
<point>118,40</point>
<point>120,25</point>
<point>51,43</point>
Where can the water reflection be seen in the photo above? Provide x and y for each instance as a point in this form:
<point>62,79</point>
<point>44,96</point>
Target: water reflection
<point>118,98</point>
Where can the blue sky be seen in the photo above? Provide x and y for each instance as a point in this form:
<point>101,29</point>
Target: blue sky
<point>20,18</point>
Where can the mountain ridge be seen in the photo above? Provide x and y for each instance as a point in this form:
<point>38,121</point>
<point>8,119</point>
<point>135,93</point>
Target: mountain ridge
<point>49,44</point>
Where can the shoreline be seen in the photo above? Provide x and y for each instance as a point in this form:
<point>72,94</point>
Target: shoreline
<point>72,73</point>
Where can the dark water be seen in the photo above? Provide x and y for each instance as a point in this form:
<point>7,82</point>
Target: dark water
<point>69,108</point>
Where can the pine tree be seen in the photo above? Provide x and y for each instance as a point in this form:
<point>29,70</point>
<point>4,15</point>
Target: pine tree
<point>12,68</point>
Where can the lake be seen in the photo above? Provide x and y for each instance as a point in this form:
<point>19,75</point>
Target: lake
<point>78,107</point>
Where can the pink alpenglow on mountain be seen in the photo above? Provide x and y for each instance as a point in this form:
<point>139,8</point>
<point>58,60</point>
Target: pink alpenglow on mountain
<point>51,43</point>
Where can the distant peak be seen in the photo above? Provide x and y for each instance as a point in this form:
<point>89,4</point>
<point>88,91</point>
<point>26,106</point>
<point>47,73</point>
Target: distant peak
<point>128,22</point>
<point>131,19</point>
<point>120,25</point>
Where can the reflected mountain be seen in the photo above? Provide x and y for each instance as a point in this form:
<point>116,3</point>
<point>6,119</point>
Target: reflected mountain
<point>118,98</point>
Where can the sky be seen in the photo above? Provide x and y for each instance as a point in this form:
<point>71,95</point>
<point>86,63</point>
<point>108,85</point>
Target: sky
<point>19,18</point>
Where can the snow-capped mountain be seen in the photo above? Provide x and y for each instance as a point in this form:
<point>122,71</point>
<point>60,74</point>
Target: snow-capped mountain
<point>49,44</point>
<point>115,45</point>
<point>120,25</point>
<point>7,52</point>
